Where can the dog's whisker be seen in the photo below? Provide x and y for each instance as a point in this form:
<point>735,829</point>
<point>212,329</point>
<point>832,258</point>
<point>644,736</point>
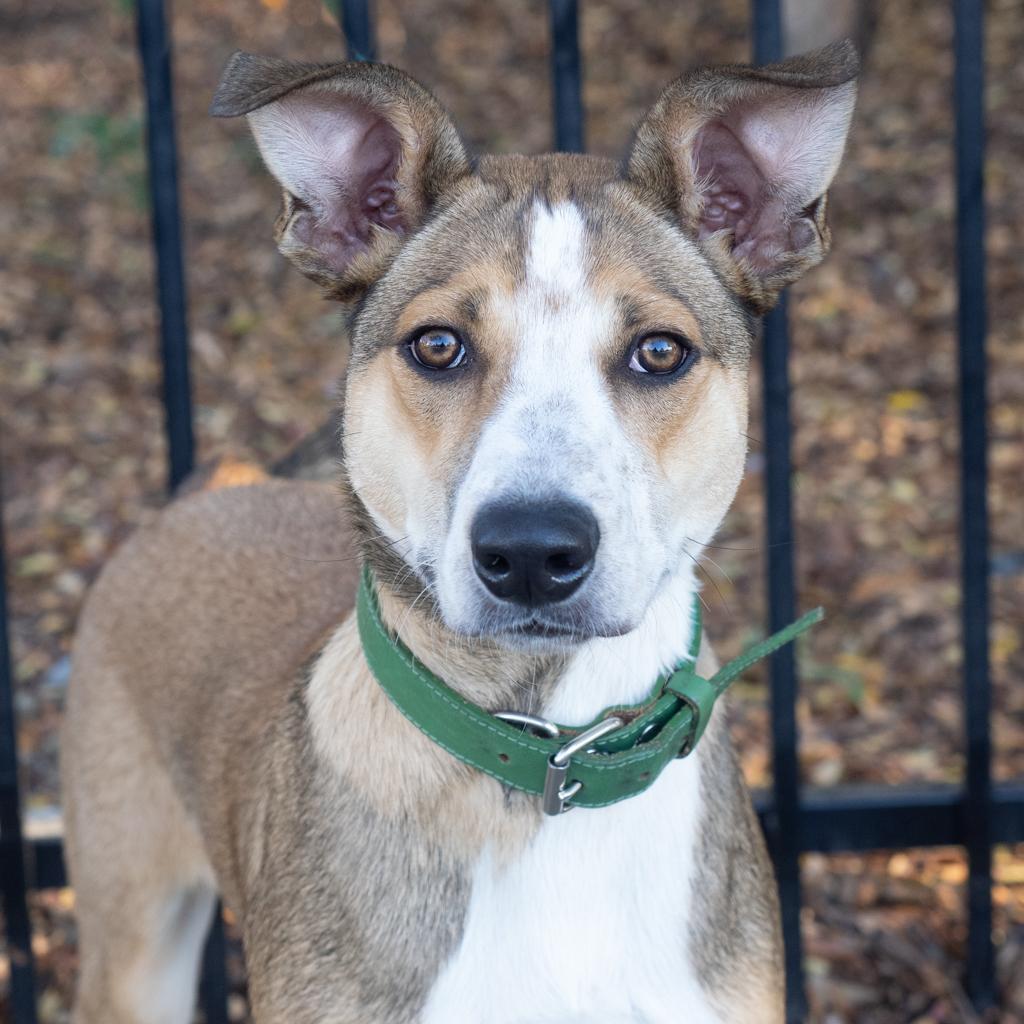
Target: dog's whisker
<point>711,579</point>
<point>718,567</point>
<point>734,547</point>
<point>409,611</point>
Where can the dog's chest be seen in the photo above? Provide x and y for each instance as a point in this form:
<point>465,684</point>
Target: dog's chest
<point>590,924</point>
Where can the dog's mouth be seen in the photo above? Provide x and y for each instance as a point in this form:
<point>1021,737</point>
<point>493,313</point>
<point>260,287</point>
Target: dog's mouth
<point>537,628</point>
<point>527,628</point>
<point>539,633</point>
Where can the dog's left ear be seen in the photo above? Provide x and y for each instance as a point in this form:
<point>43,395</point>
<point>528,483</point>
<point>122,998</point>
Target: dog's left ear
<point>362,152</point>
<point>742,157</point>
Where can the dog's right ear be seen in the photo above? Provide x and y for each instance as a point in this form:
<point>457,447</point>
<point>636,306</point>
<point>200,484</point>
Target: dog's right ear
<point>362,152</point>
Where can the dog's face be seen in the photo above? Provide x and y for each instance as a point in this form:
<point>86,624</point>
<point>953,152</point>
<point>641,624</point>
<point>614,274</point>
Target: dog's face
<point>546,402</point>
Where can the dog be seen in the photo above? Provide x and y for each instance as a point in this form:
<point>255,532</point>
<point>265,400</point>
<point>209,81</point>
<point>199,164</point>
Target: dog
<point>543,426</point>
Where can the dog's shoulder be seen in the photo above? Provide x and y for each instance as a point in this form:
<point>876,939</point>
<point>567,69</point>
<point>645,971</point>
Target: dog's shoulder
<point>263,538</point>
<point>226,593</point>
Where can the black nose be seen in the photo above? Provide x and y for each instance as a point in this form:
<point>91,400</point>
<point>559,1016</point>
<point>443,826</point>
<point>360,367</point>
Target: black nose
<point>534,554</point>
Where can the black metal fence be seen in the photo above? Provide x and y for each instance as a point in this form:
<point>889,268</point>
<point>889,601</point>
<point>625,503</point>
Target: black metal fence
<point>974,815</point>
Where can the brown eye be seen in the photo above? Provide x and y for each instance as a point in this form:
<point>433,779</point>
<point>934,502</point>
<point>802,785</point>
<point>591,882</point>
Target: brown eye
<point>659,353</point>
<point>438,348</point>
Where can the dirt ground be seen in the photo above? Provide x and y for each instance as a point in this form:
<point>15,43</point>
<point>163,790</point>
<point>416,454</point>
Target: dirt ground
<point>874,401</point>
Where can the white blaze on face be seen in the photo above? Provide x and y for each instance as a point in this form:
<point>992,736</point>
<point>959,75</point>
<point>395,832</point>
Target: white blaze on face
<point>555,435</point>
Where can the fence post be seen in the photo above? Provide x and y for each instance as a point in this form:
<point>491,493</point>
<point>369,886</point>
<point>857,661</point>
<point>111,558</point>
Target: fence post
<point>566,76</point>
<point>357,26</point>
<point>155,52</point>
<point>969,102</point>
<point>784,817</point>
<point>213,982</point>
<point>12,849</point>
<point>162,158</point>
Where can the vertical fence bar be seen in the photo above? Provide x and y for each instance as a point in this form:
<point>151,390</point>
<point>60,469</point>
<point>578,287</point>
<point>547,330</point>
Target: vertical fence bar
<point>213,983</point>
<point>357,25</point>
<point>12,849</point>
<point>566,76</point>
<point>213,988</point>
<point>766,28</point>
<point>161,150</point>
<point>784,818</point>
<point>969,90</point>
<point>155,52</point>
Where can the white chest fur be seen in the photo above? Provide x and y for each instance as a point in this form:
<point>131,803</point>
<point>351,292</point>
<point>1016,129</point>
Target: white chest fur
<point>590,924</point>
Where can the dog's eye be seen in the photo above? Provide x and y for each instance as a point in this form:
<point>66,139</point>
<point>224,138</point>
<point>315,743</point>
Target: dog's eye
<point>438,348</point>
<point>659,353</point>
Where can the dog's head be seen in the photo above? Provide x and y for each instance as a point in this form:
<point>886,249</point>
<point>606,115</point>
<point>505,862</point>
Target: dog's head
<point>546,401</point>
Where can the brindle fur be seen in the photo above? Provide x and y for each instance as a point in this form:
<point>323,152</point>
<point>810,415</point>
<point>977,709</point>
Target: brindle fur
<point>223,730</point>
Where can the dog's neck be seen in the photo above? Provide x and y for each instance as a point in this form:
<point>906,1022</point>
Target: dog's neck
<point>571,687</point>
<point>622,669</point>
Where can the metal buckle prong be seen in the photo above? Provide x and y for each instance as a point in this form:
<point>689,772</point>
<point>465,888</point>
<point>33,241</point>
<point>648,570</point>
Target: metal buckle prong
<point>538,726</point>
<point>556,793</point>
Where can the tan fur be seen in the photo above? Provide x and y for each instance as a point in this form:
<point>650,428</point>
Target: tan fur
<point>421,462</point>
<point>357,729</point>
<point>224,732</point>
<point>736,937</point>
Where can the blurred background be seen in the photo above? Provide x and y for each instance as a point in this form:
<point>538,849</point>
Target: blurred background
<point>874,394</point>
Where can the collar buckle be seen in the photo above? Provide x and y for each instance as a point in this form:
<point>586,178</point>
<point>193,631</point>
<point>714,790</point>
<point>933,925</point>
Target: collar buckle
<point>557,791</point>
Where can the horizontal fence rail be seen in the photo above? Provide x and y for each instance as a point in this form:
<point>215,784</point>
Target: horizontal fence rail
<point>796,820</point>
<point>841,819</point>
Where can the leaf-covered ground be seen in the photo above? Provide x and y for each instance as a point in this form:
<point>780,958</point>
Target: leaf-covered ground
<point>874,402</point>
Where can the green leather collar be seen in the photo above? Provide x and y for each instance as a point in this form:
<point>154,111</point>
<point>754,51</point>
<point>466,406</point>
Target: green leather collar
<point>616,756</point>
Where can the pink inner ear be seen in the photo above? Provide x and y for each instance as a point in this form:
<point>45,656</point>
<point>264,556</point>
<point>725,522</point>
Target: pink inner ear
<point>359,191</point>
<point>738,197</point>
<point>340,160</point>
<point>728,179</point>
